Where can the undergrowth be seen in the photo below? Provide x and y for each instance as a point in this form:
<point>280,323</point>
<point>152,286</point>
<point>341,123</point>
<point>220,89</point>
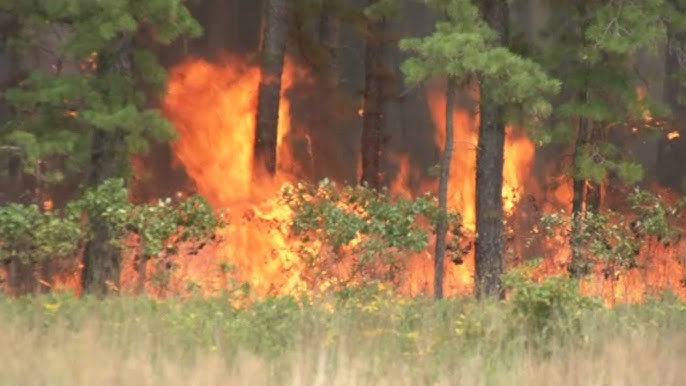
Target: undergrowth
<point>366,336</point>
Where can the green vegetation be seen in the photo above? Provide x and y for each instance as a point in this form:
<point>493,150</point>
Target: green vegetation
<point>379,230</point>
<point>614,239</point>
<point>31,236</point>
<point>77,117</point>
<point>98,80</point>
<point>463,47</point>
<point>363,337</point>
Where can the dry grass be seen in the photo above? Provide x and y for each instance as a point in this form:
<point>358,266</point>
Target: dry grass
<point>97,347</point>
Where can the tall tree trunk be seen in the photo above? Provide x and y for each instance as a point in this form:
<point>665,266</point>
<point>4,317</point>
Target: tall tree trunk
<point>372,109</point>
<point>109,159</point>
<point>10,76</point>
<point>578,267</point>
<point>580,199</point>
<point>329,36</point>
<point>444,177</point>
<point>273,50</point>
<point>102,258</point>
<point>673,152</point>
<point>489,245</point>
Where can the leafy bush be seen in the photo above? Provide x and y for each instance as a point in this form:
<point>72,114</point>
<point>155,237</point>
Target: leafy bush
<point>373,228</point>
<point>613,239</point>
<point>32,235</point>
<point>163,224</point>
<point>551,307</point>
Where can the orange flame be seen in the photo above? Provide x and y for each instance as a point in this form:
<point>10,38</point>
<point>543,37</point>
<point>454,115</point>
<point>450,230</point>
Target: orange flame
<point>213,108</point>
<point>673,135</point>
<point>519,153</point>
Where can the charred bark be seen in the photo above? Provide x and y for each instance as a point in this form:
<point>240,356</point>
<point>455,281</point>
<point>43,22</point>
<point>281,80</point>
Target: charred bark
<point>372,108</point>
<point>442,220</point>
<point>489,244</point>
<point>273,49</point>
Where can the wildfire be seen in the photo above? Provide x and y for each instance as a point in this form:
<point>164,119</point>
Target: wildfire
<point>673,135</point>
<point>213,107</point>
<point>519,153</point>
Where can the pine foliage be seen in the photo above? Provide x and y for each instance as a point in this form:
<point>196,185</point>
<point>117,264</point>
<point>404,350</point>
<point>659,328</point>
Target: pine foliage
<point>89,87</point>
<point>463,47</point>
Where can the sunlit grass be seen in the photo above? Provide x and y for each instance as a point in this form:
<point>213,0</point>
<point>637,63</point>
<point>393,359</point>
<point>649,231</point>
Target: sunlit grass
<point>365,339</point>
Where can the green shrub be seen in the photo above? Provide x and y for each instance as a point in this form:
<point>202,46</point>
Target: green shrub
<point>375,229</point>
<point>614,239</point>
<point>550,308</point>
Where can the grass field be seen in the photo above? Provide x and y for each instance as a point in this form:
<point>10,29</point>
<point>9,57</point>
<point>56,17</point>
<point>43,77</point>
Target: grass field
<point>365,338</point>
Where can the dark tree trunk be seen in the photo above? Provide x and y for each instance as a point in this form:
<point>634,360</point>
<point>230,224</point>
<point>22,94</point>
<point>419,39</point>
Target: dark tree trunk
<point>372,108</point>
<point>444,177</point>
<point>10,75</point>
<point>273,50</point>
<point>141,271</point>
<point>578,266</point>
<point>329,36</point>
<point>108,159</point>
<point>102,258</point>
<point>673,152</point>
<point>489,245</point>
<point>20,277</point>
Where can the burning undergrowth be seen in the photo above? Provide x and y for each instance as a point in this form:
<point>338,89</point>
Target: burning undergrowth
<point>213,107</point>
<point>284,237</point>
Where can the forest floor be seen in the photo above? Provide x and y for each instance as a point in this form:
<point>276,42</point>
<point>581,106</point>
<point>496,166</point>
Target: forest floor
<point>353,339</point>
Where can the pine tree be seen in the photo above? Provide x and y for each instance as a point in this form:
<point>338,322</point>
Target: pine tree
<point>465,49</point>
<point>594,44</point>
<point>489,243</point>
<point>89,109</point>
<point>672,151</point>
